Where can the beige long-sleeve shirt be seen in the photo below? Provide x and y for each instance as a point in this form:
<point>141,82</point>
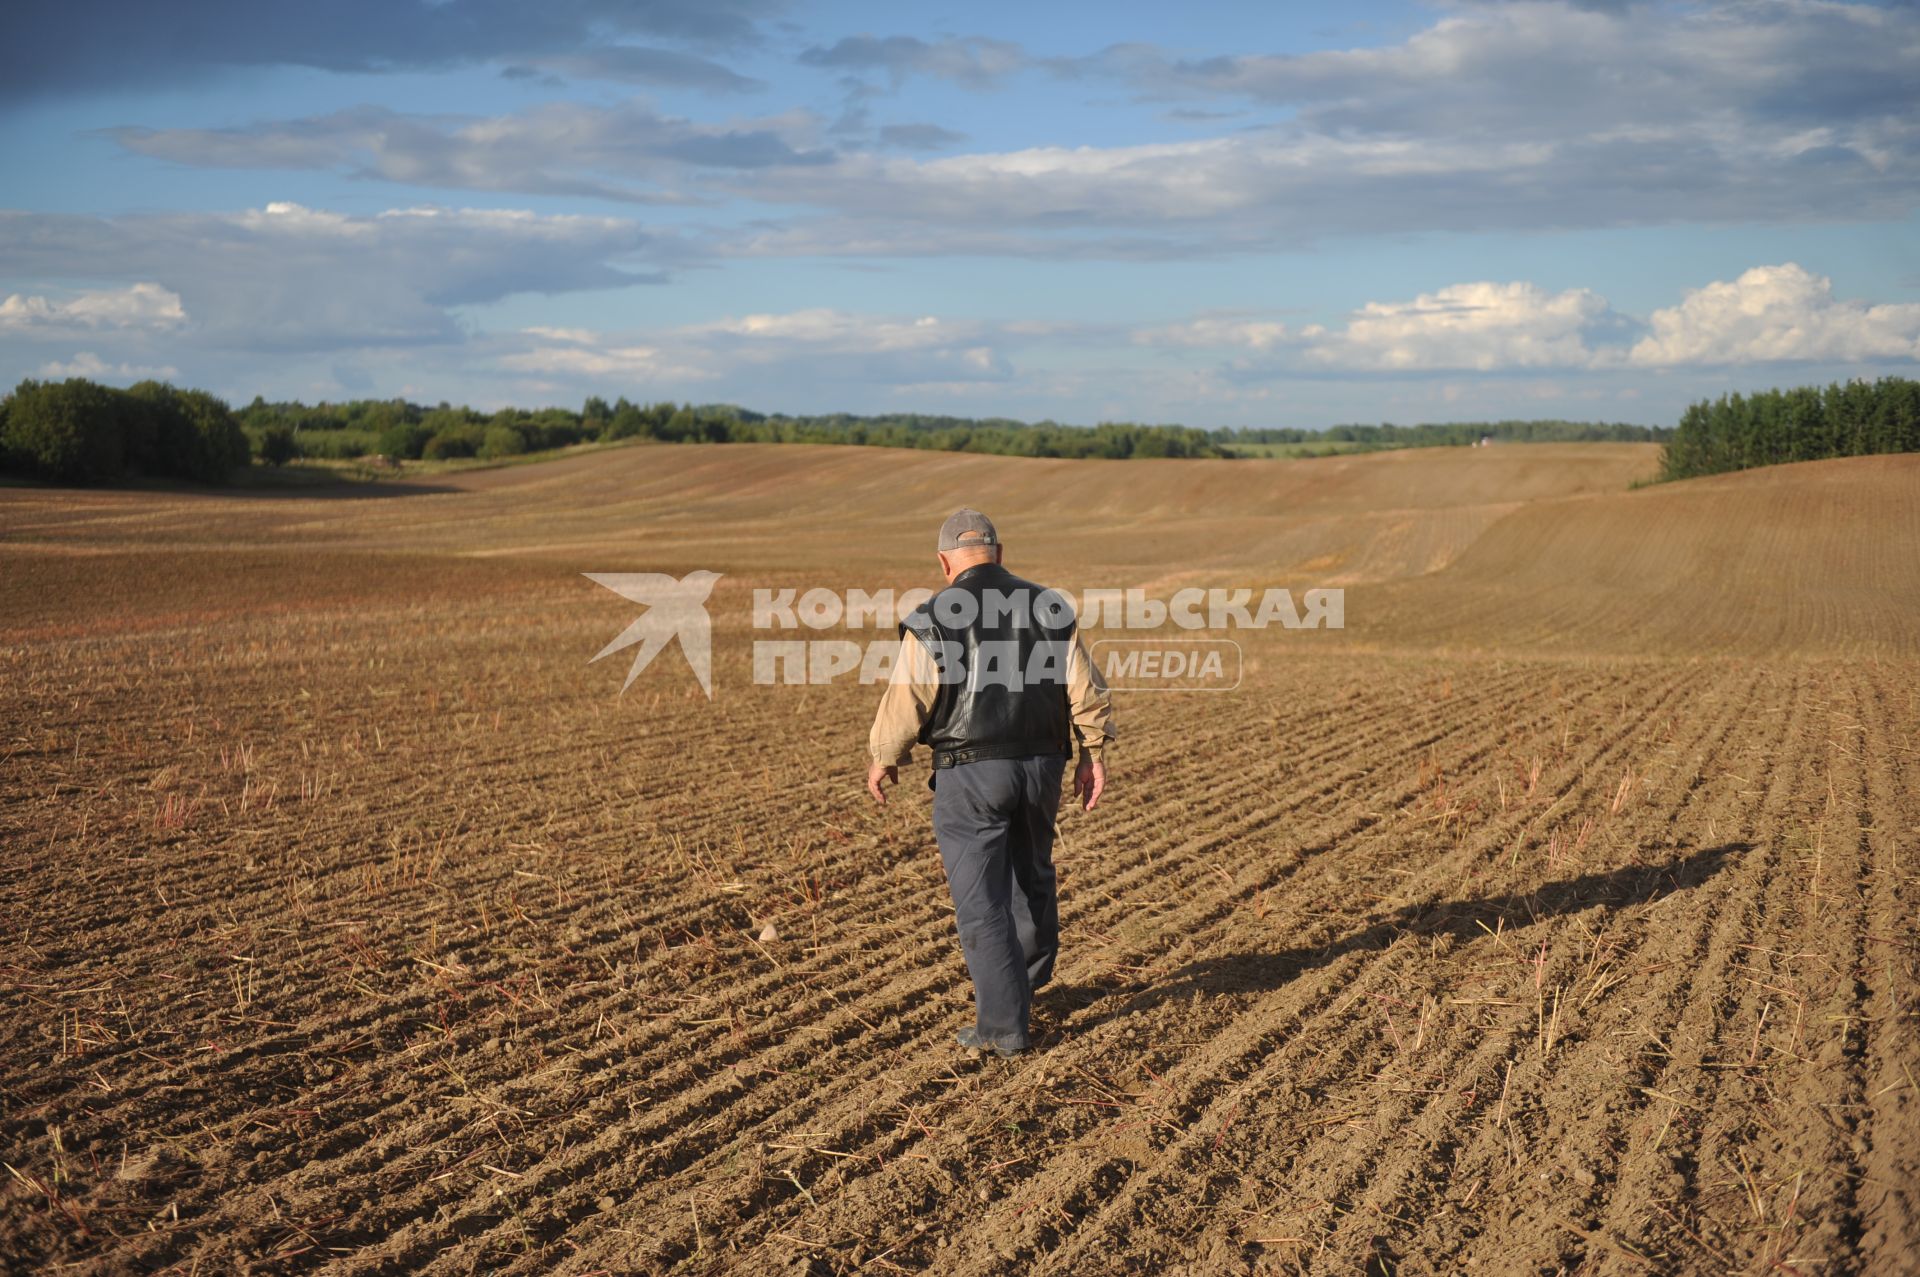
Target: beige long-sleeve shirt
<point>909,697</point>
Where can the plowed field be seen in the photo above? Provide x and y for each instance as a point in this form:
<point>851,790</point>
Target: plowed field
<point>1555,916</point>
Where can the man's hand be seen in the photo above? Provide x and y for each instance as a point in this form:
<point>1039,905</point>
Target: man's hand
<point>1089,781</point>
<point>877,773</point>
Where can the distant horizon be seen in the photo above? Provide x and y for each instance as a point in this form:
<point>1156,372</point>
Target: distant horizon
<point>240,405</point>
<point>1398,210</point>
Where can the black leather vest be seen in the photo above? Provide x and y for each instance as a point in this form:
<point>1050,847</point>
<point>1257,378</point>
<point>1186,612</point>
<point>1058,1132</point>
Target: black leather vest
<point>1001,645</point>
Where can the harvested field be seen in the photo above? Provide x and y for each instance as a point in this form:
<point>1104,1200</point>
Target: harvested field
<point>1557,915</point>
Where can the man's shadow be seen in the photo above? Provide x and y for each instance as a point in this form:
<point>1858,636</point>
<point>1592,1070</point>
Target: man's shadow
<point>1259,972</point>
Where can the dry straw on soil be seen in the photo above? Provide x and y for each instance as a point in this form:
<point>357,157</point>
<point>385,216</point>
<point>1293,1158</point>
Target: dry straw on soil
<point>1557,915</point>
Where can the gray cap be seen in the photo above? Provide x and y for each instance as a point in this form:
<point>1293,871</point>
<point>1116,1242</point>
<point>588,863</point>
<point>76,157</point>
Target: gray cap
<point>966,528</point>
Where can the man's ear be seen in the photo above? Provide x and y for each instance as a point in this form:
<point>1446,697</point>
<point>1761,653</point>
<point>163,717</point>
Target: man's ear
<point>998,551</point>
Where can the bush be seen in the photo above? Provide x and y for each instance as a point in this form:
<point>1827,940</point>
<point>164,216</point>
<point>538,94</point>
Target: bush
<point>278,446</point>
<point>404,439</point>
<point>502,441</point>
<point>446,446</point>
<point>336,444</point>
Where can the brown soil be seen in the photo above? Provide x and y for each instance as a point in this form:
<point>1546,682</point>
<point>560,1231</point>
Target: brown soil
<point>1557,916</point>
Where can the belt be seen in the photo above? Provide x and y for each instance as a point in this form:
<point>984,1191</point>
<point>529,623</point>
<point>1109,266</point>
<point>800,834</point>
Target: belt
<point>1008,749</point>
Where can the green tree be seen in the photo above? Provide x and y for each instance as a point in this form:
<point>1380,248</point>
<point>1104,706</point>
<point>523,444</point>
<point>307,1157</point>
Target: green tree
<point>594,416</point>
<point>196,436</point>
<point>1801,424</point>
<point>502,441</point>
<point>277,445</point>
<point>444,420</point>
<point>403,440</point>
<point>681,426</point>
<point>626,422</point>
<point>443,447</point>
<point>220,444</point>
<point>67,430</point>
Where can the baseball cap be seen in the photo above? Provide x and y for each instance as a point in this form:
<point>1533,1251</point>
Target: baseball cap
<point>966,528</point>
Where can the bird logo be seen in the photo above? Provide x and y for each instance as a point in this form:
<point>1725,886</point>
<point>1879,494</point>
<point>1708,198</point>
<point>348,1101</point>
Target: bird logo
<point>675,609</point>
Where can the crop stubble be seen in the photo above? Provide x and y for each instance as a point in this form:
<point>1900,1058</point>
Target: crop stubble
<point>361,925</point>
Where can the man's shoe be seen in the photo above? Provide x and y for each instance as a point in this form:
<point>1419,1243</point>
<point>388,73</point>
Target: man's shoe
<point>970,1038</point>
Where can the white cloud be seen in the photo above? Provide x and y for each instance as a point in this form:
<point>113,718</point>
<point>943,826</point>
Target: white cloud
<point>578,336</point>
<point>288,278</point>
<point>1216,331</point>
<point>580,352</point>
<point>291,283</point>
<point>1480,326</point>
<point>1770,314</point>
<point>838,330</point>
<point>626,151</point>
<point>91,366</point>
<point>1777,314</point>
<point>1554,69</point>
<point>773,350</point>
<point>911,350</point>
<point>144,306</point>
<point>1534,114</point>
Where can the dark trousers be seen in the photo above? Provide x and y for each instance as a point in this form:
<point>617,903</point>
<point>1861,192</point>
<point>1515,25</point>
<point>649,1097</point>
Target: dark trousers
<point>994,820</point>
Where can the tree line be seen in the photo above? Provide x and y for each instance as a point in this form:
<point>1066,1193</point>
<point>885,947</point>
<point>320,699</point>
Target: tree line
<point>1449,434</point>
<point>79,431</point>
<point>1807,423</point>
<point>403,430</point>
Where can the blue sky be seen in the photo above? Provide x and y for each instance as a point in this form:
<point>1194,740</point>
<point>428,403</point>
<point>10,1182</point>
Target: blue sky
<point>1221,214</point>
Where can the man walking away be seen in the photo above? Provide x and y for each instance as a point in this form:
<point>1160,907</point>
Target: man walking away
<point>994,678</point>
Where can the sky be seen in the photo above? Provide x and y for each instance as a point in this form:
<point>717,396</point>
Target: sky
<point>1209,213</point>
